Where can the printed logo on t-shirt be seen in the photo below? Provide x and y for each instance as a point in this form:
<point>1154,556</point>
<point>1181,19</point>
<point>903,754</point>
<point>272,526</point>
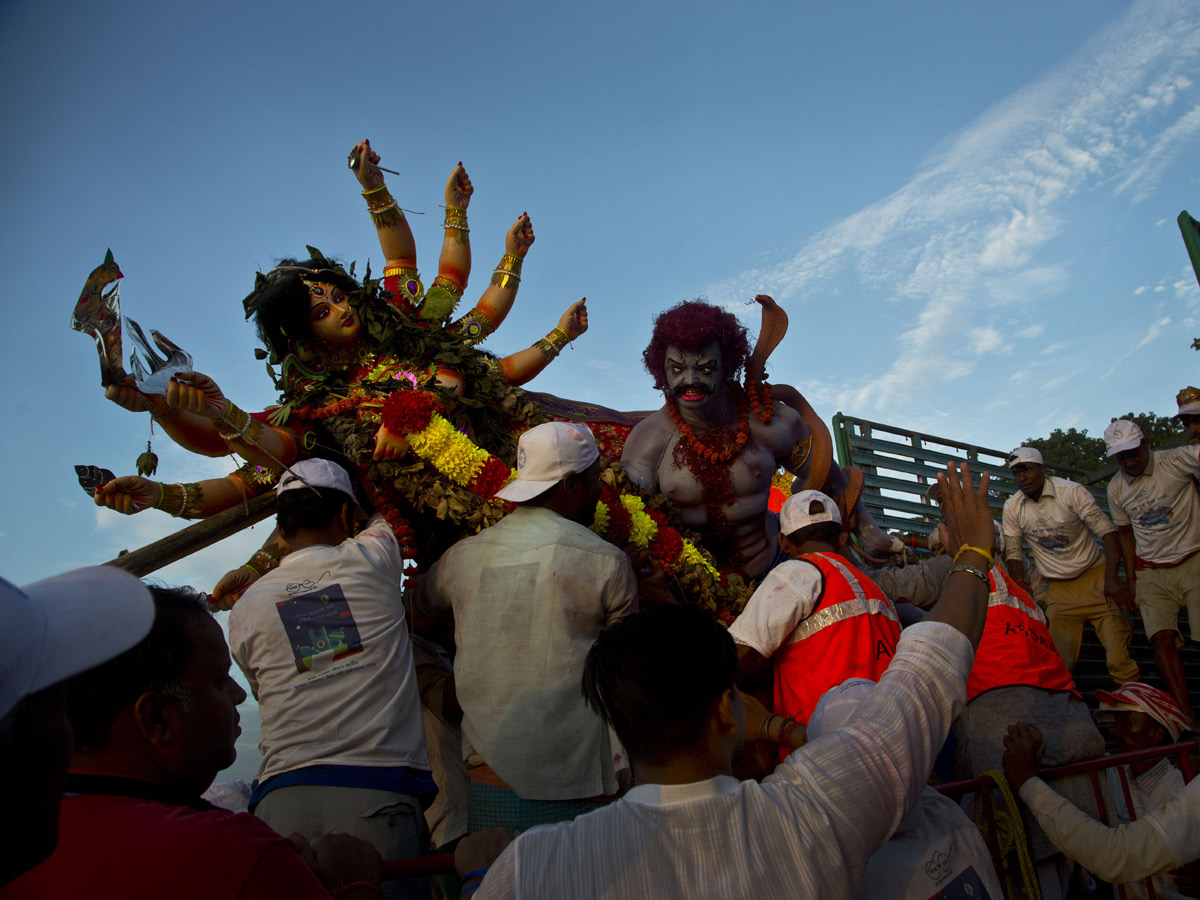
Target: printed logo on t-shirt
<point>1152,518</point>
<point>1053,541</point>
<point>966,886</point>
<point>317,623</point>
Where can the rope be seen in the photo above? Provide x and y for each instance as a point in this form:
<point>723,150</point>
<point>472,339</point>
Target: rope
<point>1010,836</point>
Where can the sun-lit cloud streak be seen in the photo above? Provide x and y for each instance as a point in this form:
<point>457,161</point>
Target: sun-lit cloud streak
<point>958,243</point>
<point>1155,329</point>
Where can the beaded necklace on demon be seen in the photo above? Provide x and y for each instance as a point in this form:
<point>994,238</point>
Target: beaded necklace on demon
<point>710,456</point>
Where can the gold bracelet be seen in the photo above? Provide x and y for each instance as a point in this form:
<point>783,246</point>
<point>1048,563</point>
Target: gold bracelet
<point>456,220</point>
<point>558,337</point>
<point>384,210</point>
<point>400,271</point>
<point>232,426</point>
<point>193,495</point>
<point>264,560</point>
<point>978,573</point>
<point>967,548</point>
<point>171,499</point>
<point>508,272</point>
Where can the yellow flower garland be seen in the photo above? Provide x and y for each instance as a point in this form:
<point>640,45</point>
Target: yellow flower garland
<point>450,451</point>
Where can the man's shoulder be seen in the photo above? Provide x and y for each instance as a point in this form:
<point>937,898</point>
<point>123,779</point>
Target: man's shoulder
<point>167,822</point>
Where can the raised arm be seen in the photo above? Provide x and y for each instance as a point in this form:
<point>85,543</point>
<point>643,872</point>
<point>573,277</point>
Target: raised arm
<point>192,432</point>
<point>131,494</point>
<point>199,395</point>
<point>964,599</point>
<point>454,263</point>
<point>489,313</point>
<point>395,237</point>
<point>524,365</point>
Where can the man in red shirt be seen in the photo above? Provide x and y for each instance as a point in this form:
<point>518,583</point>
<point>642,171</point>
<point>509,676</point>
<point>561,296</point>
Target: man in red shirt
<point>152,729</point>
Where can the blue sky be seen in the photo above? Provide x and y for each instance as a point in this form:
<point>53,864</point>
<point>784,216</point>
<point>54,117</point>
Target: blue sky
<point>968,210</point>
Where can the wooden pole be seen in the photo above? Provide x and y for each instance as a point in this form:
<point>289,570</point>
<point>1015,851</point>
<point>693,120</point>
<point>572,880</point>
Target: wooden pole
<point>183,543</point>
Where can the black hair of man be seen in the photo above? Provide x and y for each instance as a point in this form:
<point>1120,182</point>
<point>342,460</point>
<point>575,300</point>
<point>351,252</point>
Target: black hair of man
<point>656,676</point>
<point>156,663</point>
<point>824,532</point>
<point>304,508</point>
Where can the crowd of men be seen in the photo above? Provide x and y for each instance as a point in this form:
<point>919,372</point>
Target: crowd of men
<point>613,740</point>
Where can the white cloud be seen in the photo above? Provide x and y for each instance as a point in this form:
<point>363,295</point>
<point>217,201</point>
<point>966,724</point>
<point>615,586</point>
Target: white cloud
<point>1141,289</point>
<point>1155,329</point>
<point>962,238</point>
<point>1032,331</point>
<point>1053,348</point>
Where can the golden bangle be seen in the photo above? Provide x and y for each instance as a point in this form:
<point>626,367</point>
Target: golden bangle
<point>508,273</point>
<point>376,190</point>
<point>171,499</point>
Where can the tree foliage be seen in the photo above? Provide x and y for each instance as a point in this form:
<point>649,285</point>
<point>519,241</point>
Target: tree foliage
<point>1083,451</point>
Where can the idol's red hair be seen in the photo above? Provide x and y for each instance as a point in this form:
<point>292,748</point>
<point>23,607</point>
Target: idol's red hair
<point>690,326</point>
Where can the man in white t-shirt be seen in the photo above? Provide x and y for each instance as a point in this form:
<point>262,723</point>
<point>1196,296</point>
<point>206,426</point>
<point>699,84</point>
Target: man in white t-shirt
<point>1059,517</point>
<point>323,641</point>
<point>1156,508</point>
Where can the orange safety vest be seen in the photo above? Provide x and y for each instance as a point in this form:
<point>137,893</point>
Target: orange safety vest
<point>1016,647</point>
<point>852,633</point>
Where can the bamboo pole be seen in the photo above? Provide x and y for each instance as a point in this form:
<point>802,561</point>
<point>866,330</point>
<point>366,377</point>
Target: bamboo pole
<point>173,547</point>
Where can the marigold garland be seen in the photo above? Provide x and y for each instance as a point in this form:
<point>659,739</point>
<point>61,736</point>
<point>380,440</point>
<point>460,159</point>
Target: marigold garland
<point>647,529</point>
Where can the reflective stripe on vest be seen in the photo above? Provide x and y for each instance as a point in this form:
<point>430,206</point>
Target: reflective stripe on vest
<point>852,633</point>
<point>860,605</point>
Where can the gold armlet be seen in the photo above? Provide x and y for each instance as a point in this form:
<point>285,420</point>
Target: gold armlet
<point>475,326</point>
<point>449,287</point>
<point>262,562</point>
<point>801,450</point>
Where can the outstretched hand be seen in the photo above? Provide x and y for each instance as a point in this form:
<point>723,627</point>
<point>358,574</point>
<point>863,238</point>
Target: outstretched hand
<point>195,392</point>
<point>367,171</point>
<point>967,513</point>
<point>230,588</point>
<point>520,237</point>
<point>1023,751</point>
<point>124,392</point>
<point>459,188</point>
<point>575,320</point>
<point>128,494</point>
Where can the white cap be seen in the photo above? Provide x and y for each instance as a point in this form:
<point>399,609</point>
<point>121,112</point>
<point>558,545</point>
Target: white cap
<point>795,514</point>
<point>65,625</point>
<point>316,473</point>
<point>1122,435</point>
<point>1189,402</point>
<point>1021,455</point>
<point>546,455</point>
<point>837,705</point>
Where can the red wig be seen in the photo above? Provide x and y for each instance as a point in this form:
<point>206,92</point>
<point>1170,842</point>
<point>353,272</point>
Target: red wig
<point>692,325</point>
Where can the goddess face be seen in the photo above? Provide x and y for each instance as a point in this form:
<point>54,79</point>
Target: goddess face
<point>693,377</point>
<point>330,316</point>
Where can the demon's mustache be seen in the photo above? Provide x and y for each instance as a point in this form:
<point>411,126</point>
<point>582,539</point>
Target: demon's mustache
<point>678,390</point>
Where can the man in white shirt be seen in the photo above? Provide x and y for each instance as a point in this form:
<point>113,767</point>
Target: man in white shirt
<point>529,595</point>
<point>1155,505</point>
<point>1058,518</point>
<point>324,644</point>
<point>665,679</point>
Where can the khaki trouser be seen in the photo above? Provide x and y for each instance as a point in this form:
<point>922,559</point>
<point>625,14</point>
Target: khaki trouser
<point>1071,603</point>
